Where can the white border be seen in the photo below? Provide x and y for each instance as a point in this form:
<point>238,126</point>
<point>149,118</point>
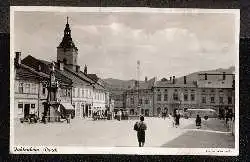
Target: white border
<point>126,150</point>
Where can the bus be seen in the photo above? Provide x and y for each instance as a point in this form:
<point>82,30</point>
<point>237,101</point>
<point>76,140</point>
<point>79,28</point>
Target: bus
<point>192,113</point>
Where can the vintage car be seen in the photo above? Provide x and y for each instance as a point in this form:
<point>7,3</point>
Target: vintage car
<point>204,113</point>
<point>31,118</point>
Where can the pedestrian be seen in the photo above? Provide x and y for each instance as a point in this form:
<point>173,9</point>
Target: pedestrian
<point>172,120</point>
<point>198,121</point>
<point>177,119</point>
<point>140,127</point>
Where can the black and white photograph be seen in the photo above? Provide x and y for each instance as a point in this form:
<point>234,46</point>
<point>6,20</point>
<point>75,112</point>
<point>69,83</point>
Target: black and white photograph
<point>143,81</point>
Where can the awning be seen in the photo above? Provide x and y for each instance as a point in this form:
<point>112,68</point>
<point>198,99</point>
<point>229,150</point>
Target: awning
<point>67,106</point>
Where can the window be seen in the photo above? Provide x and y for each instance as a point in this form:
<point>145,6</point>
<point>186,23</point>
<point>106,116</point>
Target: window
<point>32,110</point>
<point>158,90</point>
<point>27,87</point>
<point>175,90</point>
<point>229,100</point>
<point>221,99</point>
<point>140,101</point>
<point>212,90</point>
<point>203,99</point>
<point>33,105</point>
<point>165,97</point>
<point>20,88</point>
<point>192,97</point>
<point>203,90</point>
<point>132,100</point>
<point>159,97</point>
<point>20,108</point>
<point>44,90</point>
<point>73,92</point>
<point>146,101</point>
<point>185,97</point>
<point>76,92</point>
<point>83,93</point>
<point>175,96</point>
<point>79,92</point>
<point>212,99</point>
<point>165,90</point>
<point>33,88</point>
<point>68,93</point>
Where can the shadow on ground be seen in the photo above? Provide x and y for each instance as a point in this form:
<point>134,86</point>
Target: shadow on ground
<point>198,139</point>
<point>210,124</point>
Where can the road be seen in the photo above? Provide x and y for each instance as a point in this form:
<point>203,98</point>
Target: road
<point>107,133</point>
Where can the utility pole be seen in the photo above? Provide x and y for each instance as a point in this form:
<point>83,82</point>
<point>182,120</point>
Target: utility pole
<point>138,86</point>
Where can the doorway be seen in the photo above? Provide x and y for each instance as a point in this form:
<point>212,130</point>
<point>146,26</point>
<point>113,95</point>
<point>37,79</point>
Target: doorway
<point>26,110</point>
<point>146,112</point>
<point>87,110</point>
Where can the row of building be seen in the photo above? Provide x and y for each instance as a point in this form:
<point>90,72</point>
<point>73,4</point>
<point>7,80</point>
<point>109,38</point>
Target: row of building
<point>78,91</point>
<point>84,93</point>
<point>210,91</point>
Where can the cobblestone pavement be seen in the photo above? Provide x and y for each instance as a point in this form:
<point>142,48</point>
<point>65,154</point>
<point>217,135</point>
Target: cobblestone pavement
<point>107,133</point>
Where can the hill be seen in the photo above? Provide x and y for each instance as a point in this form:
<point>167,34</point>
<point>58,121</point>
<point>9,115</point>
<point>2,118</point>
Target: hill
<point>121,85</point>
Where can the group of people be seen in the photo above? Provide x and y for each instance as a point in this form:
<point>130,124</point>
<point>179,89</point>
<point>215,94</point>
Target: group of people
<point>175,118</point>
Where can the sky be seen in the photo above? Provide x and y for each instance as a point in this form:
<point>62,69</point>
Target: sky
<point>167,44</point>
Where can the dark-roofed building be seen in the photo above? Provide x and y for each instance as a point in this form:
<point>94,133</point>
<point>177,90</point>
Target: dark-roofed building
<point>216,91</point>
<point>30,91</point>
<point>88,91</point>
<point>139,98</point>
<point>170,95</point>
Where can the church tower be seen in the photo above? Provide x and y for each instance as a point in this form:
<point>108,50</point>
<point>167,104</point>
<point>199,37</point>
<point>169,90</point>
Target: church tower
<point>67,52</point>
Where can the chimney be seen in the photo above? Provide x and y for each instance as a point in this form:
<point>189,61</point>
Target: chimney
<point>61,65</point>
<point>77,68</point>
<point>18,59</point>
<point>205,76</point>
<point>224,76</point>
<point>85,69</point>
<point>146,79</point>
<point>185,80</point>
<point>173,79</point>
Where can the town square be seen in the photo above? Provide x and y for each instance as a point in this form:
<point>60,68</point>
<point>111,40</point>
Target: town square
<point>103,79</point>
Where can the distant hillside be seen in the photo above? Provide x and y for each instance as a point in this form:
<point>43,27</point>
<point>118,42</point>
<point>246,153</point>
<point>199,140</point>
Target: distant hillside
<point>120,85</point>
<point>194,76</point>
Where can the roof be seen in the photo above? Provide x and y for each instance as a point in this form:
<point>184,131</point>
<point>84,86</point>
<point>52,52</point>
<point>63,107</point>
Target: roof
<point>93,77</point>
<point>169,84</point>
<point>145,85</point>
<point>26,72</point>
<point>215,84</point>
<point>34,63</point>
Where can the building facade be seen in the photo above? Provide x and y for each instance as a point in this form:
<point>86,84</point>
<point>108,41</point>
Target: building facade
<point>216,91</point>
<point>139,99</point>
<point>170,95</point>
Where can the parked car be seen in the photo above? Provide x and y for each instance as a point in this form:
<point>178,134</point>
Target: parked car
<point>205,113</point>
<point>31,118</point>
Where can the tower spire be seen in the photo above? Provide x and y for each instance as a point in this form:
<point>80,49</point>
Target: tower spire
<point>67,20</point>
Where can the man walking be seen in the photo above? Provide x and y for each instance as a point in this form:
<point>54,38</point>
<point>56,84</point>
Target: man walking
<point>140,127</point>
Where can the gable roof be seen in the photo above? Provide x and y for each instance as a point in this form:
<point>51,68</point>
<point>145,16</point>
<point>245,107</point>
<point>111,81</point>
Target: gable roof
<point>26,72</point>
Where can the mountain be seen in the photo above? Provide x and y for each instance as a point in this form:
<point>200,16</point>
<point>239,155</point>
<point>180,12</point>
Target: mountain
<point>194,76</point>
<point>120,85</point>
